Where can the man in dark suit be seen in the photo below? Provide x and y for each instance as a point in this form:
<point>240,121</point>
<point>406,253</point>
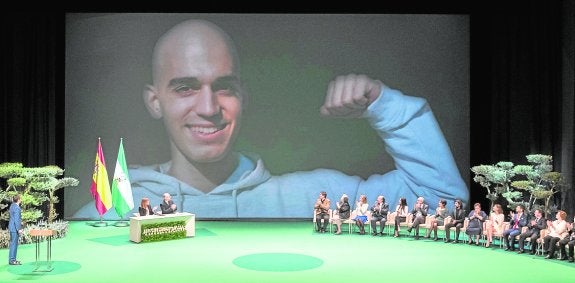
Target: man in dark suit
<point>569,240</point>
<point>15,228</point>
<point>535,226</point>
<point>457,219</point>
<point>168,206</point>
<point>379,213</point>
<point>419,212</point>
<point>518,220</point>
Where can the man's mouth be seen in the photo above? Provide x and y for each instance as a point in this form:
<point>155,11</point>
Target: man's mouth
<point>207,130</point>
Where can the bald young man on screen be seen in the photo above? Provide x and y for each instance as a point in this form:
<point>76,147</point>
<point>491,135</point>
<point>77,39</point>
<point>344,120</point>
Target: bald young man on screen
<point>197,93</point>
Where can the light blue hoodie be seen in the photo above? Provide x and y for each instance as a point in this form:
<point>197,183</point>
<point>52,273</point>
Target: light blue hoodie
<point>424,167</point>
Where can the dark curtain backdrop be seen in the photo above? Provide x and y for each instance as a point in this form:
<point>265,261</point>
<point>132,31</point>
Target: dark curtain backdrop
<point>32,90</point>
<point>517,88</point>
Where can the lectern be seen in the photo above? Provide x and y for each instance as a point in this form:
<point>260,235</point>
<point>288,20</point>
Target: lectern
<point>37,235</point>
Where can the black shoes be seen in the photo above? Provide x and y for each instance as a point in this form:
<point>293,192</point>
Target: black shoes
<point>571,259</point>
<point>15,263</point>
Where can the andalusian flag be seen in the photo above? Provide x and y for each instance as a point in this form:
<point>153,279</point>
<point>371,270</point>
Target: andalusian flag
<point>100,187</point>
<point>121,187</point>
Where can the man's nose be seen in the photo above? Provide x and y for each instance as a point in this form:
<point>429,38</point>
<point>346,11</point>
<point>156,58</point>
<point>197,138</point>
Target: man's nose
<point>207,103</point>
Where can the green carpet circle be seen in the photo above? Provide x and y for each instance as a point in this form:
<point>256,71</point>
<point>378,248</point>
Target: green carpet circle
<point>277,262</point>
<point>59,267</point>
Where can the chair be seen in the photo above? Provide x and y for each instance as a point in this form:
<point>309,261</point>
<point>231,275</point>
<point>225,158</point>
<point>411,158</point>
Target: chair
<point>464,228</point>
<point>426,225</point>
<point>528,239</point>
<point>442,228</point>
<point>335,217</point>
<point>495,234</point>
<point>390,223</point>
<point>539,250</point>
<point>329,213</point>
<point>352,222</point>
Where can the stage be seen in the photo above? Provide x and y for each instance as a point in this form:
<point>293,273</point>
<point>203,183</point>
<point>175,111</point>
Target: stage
<point>238,251</point>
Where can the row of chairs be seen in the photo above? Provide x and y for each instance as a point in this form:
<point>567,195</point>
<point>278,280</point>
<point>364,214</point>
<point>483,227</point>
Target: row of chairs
<point>389,224</point>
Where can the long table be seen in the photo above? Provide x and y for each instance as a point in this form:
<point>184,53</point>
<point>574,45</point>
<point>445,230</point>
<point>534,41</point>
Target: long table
<point>136,223</point>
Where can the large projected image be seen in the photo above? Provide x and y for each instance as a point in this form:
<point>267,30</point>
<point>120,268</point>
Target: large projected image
<point>252,116</point>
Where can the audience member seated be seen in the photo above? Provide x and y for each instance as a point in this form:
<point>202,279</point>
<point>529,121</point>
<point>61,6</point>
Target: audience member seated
<point>437,219</point>
<point>343,210</point>
<point>321,210</point>
<point>361,208</point>
<point>557,230</point>
<point>565,241</point>
<point>379,212</point>
<point>533,232</point>
<point>401,211</point>
<point>419,213</point>
<point>517,221</point>
<point>495,224</point>
<point>457,219</point>
<point>475,226</point>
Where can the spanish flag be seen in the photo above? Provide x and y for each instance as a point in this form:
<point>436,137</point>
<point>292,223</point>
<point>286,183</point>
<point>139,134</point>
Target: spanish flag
<point>100,187</point>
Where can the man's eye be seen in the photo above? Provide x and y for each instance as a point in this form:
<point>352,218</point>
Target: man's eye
<point>224,89</point>
<point>186,89</point>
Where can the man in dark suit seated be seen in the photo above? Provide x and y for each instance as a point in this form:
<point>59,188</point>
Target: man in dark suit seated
<point>168,206</point>
<point>518,220</point>
<point>534,228</point>
<point>457,220</point>
<point>419,212</point>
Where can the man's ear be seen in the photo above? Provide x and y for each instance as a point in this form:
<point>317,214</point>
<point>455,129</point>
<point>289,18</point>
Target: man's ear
<point>151,101</point>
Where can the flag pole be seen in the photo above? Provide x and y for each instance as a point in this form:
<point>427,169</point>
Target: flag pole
<point>122,199</point>
<point>100,223</point>
<point>122,222</point>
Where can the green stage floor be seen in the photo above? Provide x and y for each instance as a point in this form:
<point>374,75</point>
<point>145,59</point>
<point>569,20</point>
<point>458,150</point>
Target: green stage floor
<point>229,251</point>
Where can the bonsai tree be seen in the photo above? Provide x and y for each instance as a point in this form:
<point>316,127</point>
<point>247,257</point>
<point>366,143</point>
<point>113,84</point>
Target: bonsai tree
<point>541,181</point>
<point>36,186</point>
<point>496,179</point>
<point>529,185</point>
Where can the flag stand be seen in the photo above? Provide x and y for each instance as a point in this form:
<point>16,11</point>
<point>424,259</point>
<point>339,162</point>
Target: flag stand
<point>122,223</point>
<point>100,223</point>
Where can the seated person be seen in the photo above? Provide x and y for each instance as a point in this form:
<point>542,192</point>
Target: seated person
<point>475,226</point>
<point>557,231</point>
<point>401,211</point>
<point>321,210</point>
<point>343,210</point>
<point>145,207</point>
<point>379,213</point>
<point>518,220</point>
<point>495,225</point>
<point>419,214</point>
<point>568,240</point>
<point>438,218</point>
<point>534,229</point>
<point>361,208</point>
<point>168,206</point>
<point>457,220</point>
